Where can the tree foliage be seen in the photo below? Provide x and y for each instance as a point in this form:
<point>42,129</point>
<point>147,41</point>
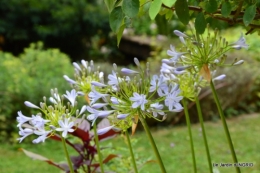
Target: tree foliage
<point>64,24</point>
<point>233,12</point>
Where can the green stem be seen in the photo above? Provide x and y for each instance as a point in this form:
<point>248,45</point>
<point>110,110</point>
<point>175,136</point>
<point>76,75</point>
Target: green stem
<point>67,155</point>
<point>150,137</point>
<point>190,134</point>
<point>224,125</point>
<point>98,148</point>
<point>204,133</point>
<point>131,151</point>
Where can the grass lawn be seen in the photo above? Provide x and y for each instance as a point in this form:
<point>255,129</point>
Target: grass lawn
<point>173,143</point>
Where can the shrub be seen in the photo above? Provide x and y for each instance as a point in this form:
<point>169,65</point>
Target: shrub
<point>29,77</point>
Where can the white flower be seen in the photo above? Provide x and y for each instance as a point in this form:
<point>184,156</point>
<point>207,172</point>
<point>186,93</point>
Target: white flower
<point>99,105</point>
<point>139,100</point>
<point>65,127</point>
<point>71,96</point>
<point>158,84</point>
<point>96,113</point>
<point>83,109</point>
<point>24,133</point>
<point>30,105</point>
<point>241,43</point>
<point>22,119</point>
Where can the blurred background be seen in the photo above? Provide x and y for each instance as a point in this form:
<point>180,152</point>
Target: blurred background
<point>40,39</point>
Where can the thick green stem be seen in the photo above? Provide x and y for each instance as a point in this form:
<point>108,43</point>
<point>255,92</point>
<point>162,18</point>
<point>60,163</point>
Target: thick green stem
<point>98,148</point>
<point>190,134</point>
<point>67,155</point>
<point>204,133</point>
<point>131,151</point>
<point>224,125</point>
<point>150,137</point>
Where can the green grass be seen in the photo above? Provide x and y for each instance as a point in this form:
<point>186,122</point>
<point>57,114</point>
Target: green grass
<point>172,142</point>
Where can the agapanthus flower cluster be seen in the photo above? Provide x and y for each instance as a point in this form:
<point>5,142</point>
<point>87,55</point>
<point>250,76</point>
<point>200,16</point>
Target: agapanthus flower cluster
<point>194,66</point>
<point>57,118</point>
<point>84,75</point>
<point>129,95</point>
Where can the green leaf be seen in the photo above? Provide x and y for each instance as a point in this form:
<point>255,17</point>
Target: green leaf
<point>120,33</point>
<point>182,11</point>
<point>130,7</point>
<point>249,14</point>
<point>115,18</point>
<point>168,3</point>
<point>110,5</point>
<point>211,6</point>
<point>154,8</point>
<point>226,9</point>
<point>200,23</point>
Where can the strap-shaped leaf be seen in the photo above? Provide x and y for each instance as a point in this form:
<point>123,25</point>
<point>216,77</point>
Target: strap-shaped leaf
<point>130,7</point>
<point>182,11</point>
<point>110,5</point>
<point>115,19</point>
<point>211,6</point>
<point>200,23</point>
<point>226,9</point>
<point>249,14</point>
<point>154,8</point>
<point>168,3</point>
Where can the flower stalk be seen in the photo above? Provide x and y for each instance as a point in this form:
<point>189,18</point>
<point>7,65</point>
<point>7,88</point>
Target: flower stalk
<point>150,137</point>
<point>67,154</point>
<point>186,112</point>
<point>98,148</point>
<point>204,133</point>
<point>224,125</point>
<point>131,151</point>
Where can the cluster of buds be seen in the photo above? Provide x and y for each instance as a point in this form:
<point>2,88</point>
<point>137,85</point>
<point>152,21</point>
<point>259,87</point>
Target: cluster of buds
<point>194,66</point>
<point>84,75</point>
<point>129,95</point>
<point>55,118</point>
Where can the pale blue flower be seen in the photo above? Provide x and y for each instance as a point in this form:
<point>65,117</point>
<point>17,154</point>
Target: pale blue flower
<point>106,129</point>
<point>139,100</point>
<point>128,71</point>
<point>172,101</point>
<point>71,96</point>
<point>174,54</point>
<point>241,43</point>
<point>65,127</point>
<point>38,122</point>
<point>22,119</point>
<point>69,80</point>
<point>94,95</point>
<point>156,109</point>
<point>42,135</point>
<point>30,105</point>
<point>122,116</point>
<point>24,133</point>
